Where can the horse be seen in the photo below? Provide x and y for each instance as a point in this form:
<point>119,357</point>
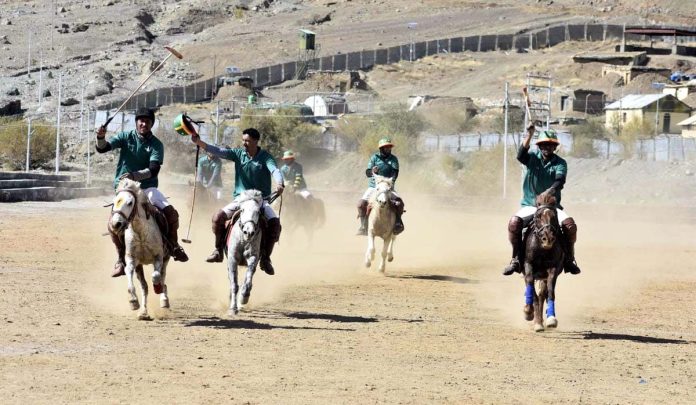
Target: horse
<point>244,246</point>
<point>380,221</point>
<point>299,212</point>
<point>543,263</point>
<point>134,216</point>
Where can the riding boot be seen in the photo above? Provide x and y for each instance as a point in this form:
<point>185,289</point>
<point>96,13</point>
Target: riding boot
<point>120,265</point>
<point>398,205</point>
<point>362,215</point>
<point>270,236</point>
<point>173,221</point>
<point>219,219</point>
<point>570,234</point>
<point>515,237</point>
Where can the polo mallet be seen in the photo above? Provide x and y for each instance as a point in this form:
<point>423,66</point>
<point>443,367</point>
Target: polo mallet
<point>172,51</point>
<point>184,126</point>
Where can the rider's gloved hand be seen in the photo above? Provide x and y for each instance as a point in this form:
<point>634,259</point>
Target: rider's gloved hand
<point>127,175</point>
<point>280,188</point>
<point>375,170</point>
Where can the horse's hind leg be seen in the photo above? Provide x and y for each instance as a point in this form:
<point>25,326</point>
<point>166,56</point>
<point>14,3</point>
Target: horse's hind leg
<point>130,269</point>
<point>234,285</point>
<point>551,321</point>
<point>390,253</point>
<point>164,297</point>
<point>528,293</point>
<point>370,254</point>
<point>142,314</point>
<point>246,287</point>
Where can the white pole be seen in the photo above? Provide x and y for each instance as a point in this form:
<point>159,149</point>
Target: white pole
<point>217,122</point>
<point>26,169</point>
<point>29,56</point>
<point>40,77</point>
<point>505,146</point>
<point>82,104</point>
<point>657,117</point>
<point>89,134</point>
<point>60,89</point>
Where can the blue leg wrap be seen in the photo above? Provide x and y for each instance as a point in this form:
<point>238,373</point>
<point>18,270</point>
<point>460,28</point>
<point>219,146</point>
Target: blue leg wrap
<point>529,295</point>
<point>551,308</point>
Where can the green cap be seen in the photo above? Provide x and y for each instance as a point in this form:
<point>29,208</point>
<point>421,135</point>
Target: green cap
<point>288,154</point>
<point>385,142</point>
<point>548,136</point>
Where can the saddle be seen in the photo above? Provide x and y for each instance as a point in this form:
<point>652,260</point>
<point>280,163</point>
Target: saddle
<point>395,203</point>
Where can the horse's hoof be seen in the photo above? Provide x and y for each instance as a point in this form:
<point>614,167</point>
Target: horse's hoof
<point>538,327</point>
<point>164,303</point>
<point>158,288</point>
<point>135,305</point>
<point>381,270</point>
<point>244,299</point>
<point>144,317</point>
<point>368,264</point>
<point>551,322</point>
<point>232,312</point>
<point>528,312</point>
<point>390,258</point>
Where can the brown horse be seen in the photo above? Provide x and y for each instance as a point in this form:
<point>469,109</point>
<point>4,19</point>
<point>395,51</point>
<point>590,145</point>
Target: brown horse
<point>543,262</point>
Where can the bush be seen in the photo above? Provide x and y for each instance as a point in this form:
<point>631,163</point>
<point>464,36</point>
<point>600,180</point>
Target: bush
<point>631,132</point>
<point>13,143</point>
<point>584,136</point>
<point>280,130</point>
<point>397,123</point>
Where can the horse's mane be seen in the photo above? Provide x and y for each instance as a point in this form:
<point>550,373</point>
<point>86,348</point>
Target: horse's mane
<point>134,187</point>
<point>546,199</point>
<point>250,195</point>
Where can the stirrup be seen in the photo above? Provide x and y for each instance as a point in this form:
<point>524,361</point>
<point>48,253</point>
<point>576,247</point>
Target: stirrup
<point>513,267</point>
<point>179,255</point>
<point>215,257</point>
<point>119,269</point>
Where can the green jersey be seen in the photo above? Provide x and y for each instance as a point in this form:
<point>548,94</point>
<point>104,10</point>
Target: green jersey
<point>209,171</point>
<point>136,154</point>
<point>540,176</point>
<point>386,166</point>
<point>292,174</point>
<point>249,173</point>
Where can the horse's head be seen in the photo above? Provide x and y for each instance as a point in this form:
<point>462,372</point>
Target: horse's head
<point>546,226</point>
<point>383,187</point>
<point>250,210</point>
<point>125,205</point>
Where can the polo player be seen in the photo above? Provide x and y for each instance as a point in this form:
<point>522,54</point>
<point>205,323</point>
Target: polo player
<point>140,158</point>
<point>294,175</point>
<point>545,173</point>
<point>385,164</point>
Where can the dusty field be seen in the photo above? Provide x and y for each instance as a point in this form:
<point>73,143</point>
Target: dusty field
<point>442,326</point>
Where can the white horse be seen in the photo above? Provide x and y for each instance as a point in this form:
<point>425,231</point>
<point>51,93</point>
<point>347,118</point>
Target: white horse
<point>381,222</point>
<point>244,247</point>
<point>133,215</point>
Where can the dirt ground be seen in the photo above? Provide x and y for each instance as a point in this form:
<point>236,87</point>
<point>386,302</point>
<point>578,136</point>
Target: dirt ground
<point>443,326</point>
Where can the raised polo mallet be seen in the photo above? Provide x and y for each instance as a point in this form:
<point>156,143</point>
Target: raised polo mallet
<point>183,125</point>
<point>173,52</point>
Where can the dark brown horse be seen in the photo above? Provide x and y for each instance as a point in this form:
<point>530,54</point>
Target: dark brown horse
<point>543,262</point>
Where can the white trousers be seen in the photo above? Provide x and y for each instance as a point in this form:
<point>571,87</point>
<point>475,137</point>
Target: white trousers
<point>371,190</point>
<point>234,206</point>
<point>156,197</point>
<point>526,213</point>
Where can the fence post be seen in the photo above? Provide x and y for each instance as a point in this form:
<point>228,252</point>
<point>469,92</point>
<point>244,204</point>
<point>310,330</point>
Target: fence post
<point>89,133</point>
<point>60,89</point>
<point>26,169</point>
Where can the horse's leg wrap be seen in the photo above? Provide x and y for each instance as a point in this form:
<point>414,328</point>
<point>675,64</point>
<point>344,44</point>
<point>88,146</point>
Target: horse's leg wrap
<point>270,236</point>
<point>515,226</point>
<point>120,243</point>
<point>570,235</point>
<point>362,215</point>
<point>219,219</point>
<point>172,216</point>
<point>398,205</point>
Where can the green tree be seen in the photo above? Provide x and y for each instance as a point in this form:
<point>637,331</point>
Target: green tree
<point>13,143</point>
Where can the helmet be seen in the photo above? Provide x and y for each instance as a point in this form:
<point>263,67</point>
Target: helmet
<point>183,125</point>
<point>289,154</point>
<point>146,113</point>
<point>384,142</point>
<point>548,136</point>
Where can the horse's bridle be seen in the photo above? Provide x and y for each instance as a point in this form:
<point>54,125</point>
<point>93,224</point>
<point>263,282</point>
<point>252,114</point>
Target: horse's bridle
<point>118,211</point>
<point>539,228</point>
<point>256,223</point>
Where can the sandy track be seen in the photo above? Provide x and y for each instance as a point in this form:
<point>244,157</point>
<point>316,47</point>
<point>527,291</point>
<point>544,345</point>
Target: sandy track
<point>442,326</point>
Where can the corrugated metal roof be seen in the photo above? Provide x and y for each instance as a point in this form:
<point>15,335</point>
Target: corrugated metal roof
<point>635,101</point>
<point>689,121</point>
